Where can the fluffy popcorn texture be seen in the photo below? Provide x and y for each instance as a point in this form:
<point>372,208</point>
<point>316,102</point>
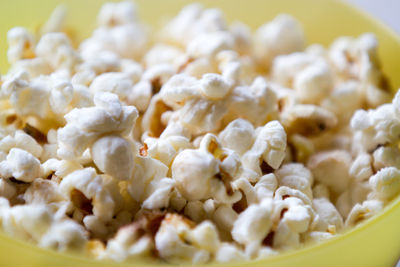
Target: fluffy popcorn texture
<point>283,35</point>
<point>200,142</point>
<point>178,240</point>
<point>85,125</point>
<point>269,146</point>
<point>21,165</point>
<point>98,189</point>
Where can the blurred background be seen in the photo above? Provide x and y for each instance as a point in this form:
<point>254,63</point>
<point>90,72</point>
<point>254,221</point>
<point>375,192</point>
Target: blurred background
<point>386,11</point>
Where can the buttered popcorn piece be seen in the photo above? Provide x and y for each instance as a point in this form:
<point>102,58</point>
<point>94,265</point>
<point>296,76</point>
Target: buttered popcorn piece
<point>200,142</point>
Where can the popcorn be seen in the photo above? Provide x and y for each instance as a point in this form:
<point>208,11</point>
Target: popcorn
<point>113,155</point>
<point>256,103</point>
<point>56,50</point>
<point>363,211</point>
<point>42,96</point>
<point>331,168</point>
<point>202,142</point>
<point>386,183</point>
<point>36,223</point>
<point>20,43</point>
<point>307,120</point>
<point>296,176</point>
<point>192,21</point>
<point>20,165</point>
<point>112,14</point>
<point>375,127</point>
<point>238,136</point>
<point>269,146</point>
<point>113,82</point>
<point>252,225</point>
<point>178,240</point>
<point>195,173</point>
<point>85,125</point>
<point>283,35</point>
<point>199,114</point>
<point>329,219</point>
<point>313,83</point>
<point>118,32</point>
<point>102,193</point>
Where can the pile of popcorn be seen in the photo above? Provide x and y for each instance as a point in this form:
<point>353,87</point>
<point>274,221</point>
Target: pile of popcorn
<point>200,142</point>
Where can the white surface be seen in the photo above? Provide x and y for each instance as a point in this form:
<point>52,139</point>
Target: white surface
<point>387,11</point>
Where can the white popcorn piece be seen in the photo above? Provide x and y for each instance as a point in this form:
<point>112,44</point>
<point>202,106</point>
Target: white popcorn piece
<point>192,21</point>
<point>329,219</point>
<point>229,253</point>
<point>102,192</point>
<point>238,136</point>
<point>56,50</point>
<point>361,168</point>
<point>331,168</point>
<point>386,156</point>
<point>213,86</point>
<point>363,211</point>
<point>209,44</point>
<point>286,67</point>
<point>269,146</point>
<point>128,243</point>
<point>21,45</point>
<point>195,174</point>
<point>113,82</point>
<point>164,54</point>
<point>296,176</point>
<point>307,119</point>
<point>66,235</point>
<point>253,225</point>
<point>344,101</point>
<point>296,219</point>
<point>112,14</point>
<point>314,83</point>
<point>178,240</point>
<point>21,165</point>
<point>114,156</point>
<point>256,103</point>
<point>283,35</point>
<point>166,148</point>
<point>147,175</point>
<point>119,32</point>
<point>85,125</point>
<point>386,183</point>
<point>35,223</point>
<point>42,96</point>
<point>56,21</point>
<point>43,191</point>
<point>376,127</point>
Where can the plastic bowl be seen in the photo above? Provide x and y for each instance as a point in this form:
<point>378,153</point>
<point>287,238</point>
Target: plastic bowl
<point>375,242</point>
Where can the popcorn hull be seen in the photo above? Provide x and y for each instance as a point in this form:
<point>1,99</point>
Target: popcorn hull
<point>375,242</point>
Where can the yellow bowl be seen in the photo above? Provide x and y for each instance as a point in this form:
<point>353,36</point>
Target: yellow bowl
<point>375,242</point>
